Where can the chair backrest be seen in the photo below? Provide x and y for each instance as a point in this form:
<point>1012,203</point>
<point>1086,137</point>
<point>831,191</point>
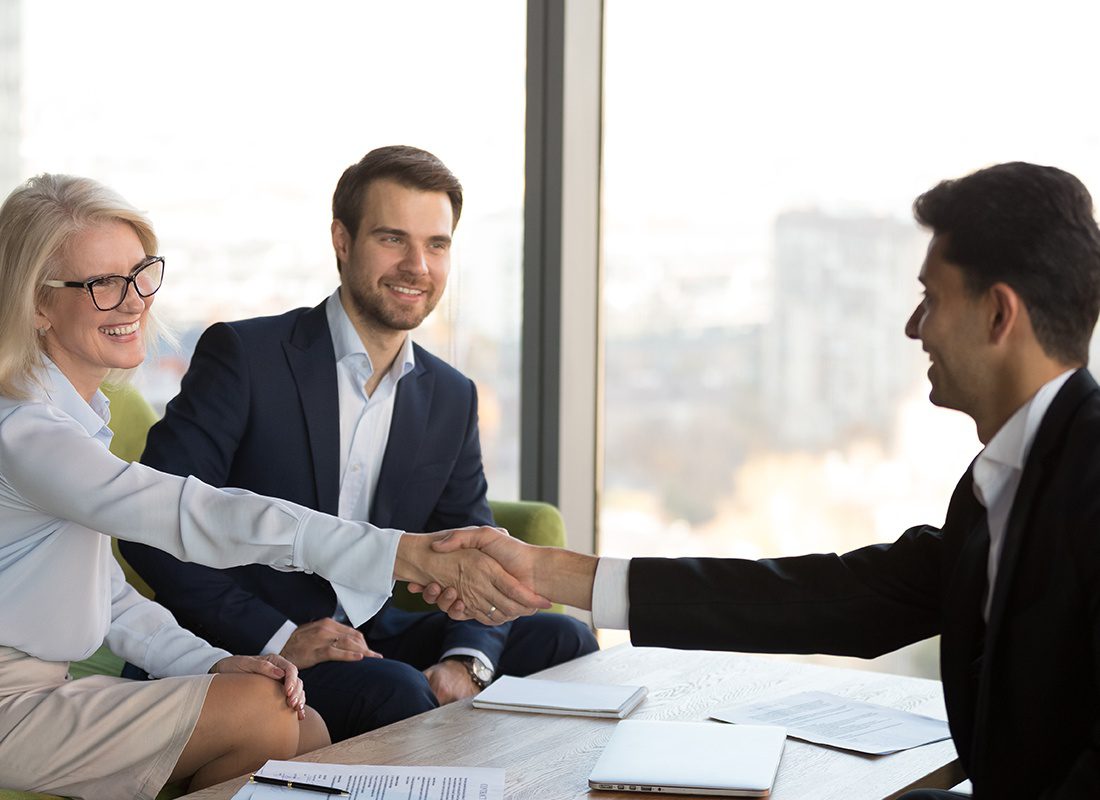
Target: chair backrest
<point>131,419</point>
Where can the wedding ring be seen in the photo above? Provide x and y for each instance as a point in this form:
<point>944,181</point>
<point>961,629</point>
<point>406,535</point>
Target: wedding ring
<point>491,611</point>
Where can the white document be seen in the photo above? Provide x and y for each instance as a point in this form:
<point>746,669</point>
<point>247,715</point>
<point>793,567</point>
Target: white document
<point>838,722</point>
<point>365,782</point>
<point>558,697</point>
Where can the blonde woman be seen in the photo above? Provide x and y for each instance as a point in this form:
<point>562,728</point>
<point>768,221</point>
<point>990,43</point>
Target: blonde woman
<point>79,269</point>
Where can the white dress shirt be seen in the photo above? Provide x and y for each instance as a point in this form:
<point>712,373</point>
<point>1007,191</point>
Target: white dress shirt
<point>997,474</point>
<point>1000,465</point>
<point>364,419</point>
<point>62,493</point>
<point>611,594</point>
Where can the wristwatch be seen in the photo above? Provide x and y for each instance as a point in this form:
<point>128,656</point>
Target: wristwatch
<point>480,673</point>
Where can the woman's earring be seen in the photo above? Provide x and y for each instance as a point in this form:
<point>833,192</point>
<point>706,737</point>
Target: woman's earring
<point>42,331</point>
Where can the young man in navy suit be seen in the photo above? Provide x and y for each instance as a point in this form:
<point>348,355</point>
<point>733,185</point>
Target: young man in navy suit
<point>1011,581</point>
<point>335,408</point>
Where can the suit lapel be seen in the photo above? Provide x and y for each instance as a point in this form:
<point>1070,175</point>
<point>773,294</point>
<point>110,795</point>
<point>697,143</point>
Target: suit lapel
<point>411,407</point>
<point>312,363</point>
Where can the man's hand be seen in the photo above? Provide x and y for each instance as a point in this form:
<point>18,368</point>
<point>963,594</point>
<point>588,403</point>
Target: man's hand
<point>561,575</point>
<point>271,666</point>
<point>488,592</point>
<point>325,640</point>
<point>450,680</point>
<point>515,556</point>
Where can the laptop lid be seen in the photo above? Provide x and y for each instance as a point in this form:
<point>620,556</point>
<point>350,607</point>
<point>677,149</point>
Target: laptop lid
<point>690,758</point>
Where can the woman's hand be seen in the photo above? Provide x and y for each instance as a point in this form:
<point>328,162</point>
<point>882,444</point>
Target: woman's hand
<point>552,572</point>
<point>483,589</point>
<point>271,666</point>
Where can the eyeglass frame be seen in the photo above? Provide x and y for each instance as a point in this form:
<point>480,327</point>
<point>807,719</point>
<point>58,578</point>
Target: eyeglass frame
<point>131,280</point>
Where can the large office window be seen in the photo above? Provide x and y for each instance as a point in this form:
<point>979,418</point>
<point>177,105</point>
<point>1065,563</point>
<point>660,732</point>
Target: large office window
<point>761,258</point>
<point>231,123</point>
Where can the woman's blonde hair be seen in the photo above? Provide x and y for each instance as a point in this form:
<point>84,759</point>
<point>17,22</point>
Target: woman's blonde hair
<point>36,221</point>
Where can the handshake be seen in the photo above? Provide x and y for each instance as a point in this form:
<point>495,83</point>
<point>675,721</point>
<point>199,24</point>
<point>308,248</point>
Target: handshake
<point>483,574</point>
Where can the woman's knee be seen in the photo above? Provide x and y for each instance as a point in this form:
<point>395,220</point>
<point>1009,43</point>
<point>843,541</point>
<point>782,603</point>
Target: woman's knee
<point>244,721</point>
<point>261,717</point>
<point>312,732</point>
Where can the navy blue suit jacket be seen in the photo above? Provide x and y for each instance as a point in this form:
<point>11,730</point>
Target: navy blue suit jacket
<point>258,410</point>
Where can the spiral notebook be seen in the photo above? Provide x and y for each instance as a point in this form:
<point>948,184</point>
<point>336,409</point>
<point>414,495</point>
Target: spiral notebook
<point>559,697</point>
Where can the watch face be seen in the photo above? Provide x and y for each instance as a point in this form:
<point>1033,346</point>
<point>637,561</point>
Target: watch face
<point>480,671</point>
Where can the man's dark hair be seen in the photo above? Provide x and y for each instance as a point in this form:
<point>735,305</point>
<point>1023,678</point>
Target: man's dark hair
<point>408,166</point>
<point>1032,228</point>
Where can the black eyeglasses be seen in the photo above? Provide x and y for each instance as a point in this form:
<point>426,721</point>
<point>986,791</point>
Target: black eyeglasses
<point>109,291</point>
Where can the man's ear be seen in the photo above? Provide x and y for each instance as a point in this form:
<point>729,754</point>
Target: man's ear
<point>1007,311</point>
<point>341,242</point>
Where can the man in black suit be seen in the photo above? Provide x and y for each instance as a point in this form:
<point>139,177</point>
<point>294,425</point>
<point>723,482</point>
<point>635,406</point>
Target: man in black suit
<point>336,409</point>
<point>1011,581</point>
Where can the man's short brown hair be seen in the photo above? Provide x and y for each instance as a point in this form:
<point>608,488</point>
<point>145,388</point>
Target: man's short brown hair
<point>408,166</point>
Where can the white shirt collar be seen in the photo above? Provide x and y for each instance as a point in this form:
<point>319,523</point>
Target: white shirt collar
<point>60,392</point>
<point>1008,449</point>
<point>346,342</point>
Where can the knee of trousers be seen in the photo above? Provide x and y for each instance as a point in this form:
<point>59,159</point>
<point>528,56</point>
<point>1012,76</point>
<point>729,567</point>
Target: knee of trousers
<point>575,638</point>
<point>354,697</point>
<point>549,639</point>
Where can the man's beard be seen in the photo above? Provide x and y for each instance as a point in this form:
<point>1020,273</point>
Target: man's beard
<point>372,307</point>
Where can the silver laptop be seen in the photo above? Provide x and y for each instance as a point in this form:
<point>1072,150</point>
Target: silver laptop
<point>690,758</point>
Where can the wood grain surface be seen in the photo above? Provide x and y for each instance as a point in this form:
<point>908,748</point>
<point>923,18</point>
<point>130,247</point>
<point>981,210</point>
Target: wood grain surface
<point>549,757</point>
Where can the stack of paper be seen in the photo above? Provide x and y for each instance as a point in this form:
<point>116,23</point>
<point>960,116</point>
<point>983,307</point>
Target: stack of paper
<point>368,782</point>
<point>556,697</point>
<point>839,722</point>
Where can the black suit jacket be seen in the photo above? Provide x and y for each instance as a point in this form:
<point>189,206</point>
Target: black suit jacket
<point>1023,693</point>
<point>258,410</point>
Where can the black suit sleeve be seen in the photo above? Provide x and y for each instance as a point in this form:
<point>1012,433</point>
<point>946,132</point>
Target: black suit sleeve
<point>863,603</point>
<point>198,436</point>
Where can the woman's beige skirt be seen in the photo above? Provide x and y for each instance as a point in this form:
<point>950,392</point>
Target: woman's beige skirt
<point>97,737</point>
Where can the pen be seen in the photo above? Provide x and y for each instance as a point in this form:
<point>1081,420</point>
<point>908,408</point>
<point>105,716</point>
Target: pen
<point>307,787</point>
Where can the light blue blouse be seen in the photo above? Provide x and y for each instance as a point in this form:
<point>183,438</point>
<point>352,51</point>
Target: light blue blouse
<point>63,494</point>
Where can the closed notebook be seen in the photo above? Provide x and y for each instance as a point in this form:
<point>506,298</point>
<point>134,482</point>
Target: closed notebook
<point>690,758</point>
<point>559,697</point>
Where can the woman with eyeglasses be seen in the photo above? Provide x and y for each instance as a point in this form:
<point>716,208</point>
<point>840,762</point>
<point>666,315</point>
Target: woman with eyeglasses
<point>78,275</point>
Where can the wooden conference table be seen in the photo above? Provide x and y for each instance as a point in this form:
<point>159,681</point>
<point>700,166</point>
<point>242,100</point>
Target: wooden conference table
<point>549,757</point>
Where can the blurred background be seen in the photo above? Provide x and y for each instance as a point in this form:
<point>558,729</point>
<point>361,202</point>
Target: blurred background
<point>758,258</point>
